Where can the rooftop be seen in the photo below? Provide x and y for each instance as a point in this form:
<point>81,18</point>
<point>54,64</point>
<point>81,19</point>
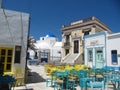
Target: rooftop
<point>85,22</point>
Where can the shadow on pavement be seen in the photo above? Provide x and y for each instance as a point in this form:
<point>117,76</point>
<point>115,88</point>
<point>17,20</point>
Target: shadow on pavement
<point>35,78</point>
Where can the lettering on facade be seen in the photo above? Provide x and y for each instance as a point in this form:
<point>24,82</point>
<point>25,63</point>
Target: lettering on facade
<point>94,43</point>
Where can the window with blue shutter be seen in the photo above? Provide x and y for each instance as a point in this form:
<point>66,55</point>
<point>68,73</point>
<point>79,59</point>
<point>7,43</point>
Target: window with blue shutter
<point>114,57</point>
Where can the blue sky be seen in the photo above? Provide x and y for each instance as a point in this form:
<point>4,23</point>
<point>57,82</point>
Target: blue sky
<point>47,16</point>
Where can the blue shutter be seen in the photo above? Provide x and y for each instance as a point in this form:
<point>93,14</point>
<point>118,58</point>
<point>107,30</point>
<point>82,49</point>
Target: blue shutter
<point>114,56</point>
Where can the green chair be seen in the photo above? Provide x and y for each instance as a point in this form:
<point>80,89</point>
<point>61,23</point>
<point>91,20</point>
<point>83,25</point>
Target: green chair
<point>50,79</point>
<point>85,82</point>
<point>59,80</point>
<point>74,75</point>
<point>97,85</point>
<point>91,72</point>
<point>70,84</point>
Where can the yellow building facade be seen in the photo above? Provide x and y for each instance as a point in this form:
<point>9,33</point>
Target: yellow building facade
<point>73,38</point>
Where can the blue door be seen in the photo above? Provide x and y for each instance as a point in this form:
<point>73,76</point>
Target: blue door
<point>44,59</point>
<point>44,56</point>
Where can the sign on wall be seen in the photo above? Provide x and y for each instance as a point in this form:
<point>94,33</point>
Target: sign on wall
<point>93,41</point>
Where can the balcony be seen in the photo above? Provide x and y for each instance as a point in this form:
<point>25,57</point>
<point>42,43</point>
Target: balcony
<point>67,44</point>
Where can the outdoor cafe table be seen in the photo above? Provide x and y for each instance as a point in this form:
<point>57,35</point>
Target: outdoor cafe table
<point>6,82</point>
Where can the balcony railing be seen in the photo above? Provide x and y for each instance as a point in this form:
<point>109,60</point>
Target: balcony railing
<point>66,44</point>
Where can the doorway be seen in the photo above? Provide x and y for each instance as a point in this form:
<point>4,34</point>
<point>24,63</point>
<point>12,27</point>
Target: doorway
<point>76,46</point>
<point>44,56</point>
<point>99,58</point>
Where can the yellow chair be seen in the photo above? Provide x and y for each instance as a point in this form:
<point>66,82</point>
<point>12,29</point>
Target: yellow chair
<point>77,67</point>
<point>19,76</point>
<point>50,76</point>
<point>68,67</point>
<point>60,68</point>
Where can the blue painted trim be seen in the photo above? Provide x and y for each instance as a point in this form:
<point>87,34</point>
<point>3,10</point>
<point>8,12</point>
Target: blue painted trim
<point>94,48</point>
<point>105,50</point>
<point>96,34</point>
<point>115,68</point>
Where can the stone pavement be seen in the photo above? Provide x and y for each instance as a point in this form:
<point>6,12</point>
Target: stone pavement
<point>37,82</point>
<point>37,86</point>
<point>34,86</point>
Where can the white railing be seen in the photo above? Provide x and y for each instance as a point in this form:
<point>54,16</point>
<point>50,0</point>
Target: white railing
<point>65,57</point>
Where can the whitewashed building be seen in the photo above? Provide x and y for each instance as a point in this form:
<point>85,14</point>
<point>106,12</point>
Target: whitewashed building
<point>48,48</point>
<point>113,50</point>
<point>31,54</point>
<point>95,50</point>
<point>14,28</point>
<point>102,49</point>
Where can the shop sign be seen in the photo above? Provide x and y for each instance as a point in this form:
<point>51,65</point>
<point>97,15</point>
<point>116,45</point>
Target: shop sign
<point>94,43</point>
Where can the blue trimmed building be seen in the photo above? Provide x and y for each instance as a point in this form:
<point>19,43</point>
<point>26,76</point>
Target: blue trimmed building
<point>48,48</point>
<point>95,50</point>
<point>102,49</point>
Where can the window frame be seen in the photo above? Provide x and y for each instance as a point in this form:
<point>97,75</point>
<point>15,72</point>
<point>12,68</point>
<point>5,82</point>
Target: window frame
<point>6,56</point>
<point>17,58</point>
<point>114,52</point>
<point>89,55</point>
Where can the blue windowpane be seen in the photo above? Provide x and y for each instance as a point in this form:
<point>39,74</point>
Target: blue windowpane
<point>114,56</point>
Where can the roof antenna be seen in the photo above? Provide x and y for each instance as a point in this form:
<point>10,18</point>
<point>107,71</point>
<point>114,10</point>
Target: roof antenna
<point>0,3</point>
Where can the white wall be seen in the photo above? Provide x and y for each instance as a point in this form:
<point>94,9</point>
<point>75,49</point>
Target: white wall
<point>93,42</point>
<point>32,53</point>
<point>52,44</point>
<point>49,40</point>
<point>113,44</point>
<point>56,51</point>
<point>14,28</point>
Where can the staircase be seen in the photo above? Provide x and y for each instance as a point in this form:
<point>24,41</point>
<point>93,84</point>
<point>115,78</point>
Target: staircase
<point>70,59</point>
